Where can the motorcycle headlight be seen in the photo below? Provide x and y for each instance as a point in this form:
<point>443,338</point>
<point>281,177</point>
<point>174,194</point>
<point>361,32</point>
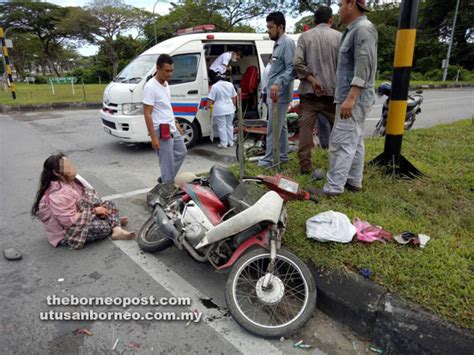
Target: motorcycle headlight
<point>288,185</point>
<point>135,108</point>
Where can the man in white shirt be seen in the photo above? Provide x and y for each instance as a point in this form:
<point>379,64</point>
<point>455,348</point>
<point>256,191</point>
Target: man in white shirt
<point>224,97</point>
<point>221,65</point>
<point>165,134</point>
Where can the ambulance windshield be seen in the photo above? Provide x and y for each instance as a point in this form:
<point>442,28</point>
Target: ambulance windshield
<point>137,69</point>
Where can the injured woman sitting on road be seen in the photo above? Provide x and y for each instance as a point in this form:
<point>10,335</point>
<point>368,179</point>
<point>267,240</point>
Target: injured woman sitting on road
<point>70,209</point>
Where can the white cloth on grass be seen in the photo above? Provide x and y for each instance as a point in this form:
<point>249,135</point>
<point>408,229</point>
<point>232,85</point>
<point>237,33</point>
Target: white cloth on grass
<point>330,226</point>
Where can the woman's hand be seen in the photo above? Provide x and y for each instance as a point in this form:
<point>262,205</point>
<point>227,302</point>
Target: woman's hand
<point>100,211</point>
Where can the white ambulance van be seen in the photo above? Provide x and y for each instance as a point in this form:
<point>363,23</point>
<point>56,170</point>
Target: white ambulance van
<point>193,51</point>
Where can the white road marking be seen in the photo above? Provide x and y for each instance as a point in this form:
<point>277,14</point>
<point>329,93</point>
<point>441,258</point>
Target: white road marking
<point>178,287</point>
<point>126,194</point>
<point>450,99</point>
<point>424,102</point>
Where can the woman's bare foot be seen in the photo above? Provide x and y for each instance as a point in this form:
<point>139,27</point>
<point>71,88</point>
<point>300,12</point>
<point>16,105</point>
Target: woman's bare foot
<point>123,221</point>
<point>121,234</point>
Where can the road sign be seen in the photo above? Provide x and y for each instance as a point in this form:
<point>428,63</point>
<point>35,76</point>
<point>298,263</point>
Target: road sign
<point>64,80</point>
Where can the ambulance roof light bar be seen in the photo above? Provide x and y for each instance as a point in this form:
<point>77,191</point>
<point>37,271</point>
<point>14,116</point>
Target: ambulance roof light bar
<point>196,29</point>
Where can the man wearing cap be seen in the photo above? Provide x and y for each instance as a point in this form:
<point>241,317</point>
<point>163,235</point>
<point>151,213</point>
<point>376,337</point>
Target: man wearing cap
<point>315,64</point>
<point>354,97</point>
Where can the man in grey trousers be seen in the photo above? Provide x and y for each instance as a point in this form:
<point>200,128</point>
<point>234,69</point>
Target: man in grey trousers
<point>280,84</point>
<point>354,97</point>
<point>165,133</point>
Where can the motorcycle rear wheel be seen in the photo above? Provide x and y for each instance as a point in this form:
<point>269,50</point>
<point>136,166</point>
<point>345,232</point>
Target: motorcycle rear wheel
<point>410,123</point>
<point>276,312</point>
<point>151,239</point>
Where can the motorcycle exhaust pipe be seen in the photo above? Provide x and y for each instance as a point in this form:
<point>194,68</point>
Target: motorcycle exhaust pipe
<point>164,223</point>
<point>193,252</point>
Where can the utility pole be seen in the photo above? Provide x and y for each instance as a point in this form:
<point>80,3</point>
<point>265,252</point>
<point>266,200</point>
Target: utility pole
<point>446,63</point>
<point>154,19</point>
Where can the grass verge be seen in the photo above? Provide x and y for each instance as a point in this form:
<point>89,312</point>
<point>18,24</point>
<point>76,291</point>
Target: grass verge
<point>439,204</point>
<point>42,94</point>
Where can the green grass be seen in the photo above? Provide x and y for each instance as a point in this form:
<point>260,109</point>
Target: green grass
<point>42,94</point>
<point>439,204</point>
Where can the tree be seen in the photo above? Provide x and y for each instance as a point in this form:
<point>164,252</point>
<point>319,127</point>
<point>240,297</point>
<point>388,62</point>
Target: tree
<point>436,23</point>
<point>385,18</point>
<point>54,26</point>
<point>186,14</point>
<point>113,18</point>
<point>236,12</point>
<point>25,52</point>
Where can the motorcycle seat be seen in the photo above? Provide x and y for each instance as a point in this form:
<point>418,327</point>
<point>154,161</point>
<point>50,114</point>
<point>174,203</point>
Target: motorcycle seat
<point>255,123</point>
<point>222,181</point>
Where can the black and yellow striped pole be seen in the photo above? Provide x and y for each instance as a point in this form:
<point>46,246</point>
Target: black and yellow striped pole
<point>6,63</point>
<point>397,107</point>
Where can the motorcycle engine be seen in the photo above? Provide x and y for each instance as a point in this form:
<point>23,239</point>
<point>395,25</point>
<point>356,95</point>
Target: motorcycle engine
<point>194,233</point>
<point>195,222</point>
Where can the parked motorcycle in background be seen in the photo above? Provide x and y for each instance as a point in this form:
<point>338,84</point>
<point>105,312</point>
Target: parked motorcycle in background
<point>238,226</point>
<point>413,108</point>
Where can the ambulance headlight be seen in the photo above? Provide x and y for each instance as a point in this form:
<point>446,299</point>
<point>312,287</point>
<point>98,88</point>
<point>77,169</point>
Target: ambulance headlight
<point>132,109</point>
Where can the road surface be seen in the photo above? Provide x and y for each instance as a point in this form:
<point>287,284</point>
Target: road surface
<point>124,172</point>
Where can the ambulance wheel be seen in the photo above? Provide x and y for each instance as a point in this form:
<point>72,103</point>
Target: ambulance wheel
<point>191,132</point>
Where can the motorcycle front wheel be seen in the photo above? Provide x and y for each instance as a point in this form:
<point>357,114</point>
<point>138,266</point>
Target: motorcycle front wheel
<point>282,308</point>
<point>151,239</point>
<point>379,129</point>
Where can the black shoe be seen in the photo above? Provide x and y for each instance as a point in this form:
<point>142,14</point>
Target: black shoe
<point>353,188</point>
<point>159,180</point>
<point>321,193</point>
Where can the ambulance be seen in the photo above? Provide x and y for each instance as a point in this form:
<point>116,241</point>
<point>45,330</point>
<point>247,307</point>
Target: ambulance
<point>193,50</point>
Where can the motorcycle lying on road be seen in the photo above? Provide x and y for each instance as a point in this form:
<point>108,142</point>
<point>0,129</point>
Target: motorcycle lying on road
<point>216,219</point>
<point>413,108</point>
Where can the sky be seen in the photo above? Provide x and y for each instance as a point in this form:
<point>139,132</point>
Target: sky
<point>161,8</point>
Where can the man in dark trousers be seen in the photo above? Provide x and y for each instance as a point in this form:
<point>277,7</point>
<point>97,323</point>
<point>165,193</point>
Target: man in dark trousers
<point>354,97</point>
<point>315,64</point>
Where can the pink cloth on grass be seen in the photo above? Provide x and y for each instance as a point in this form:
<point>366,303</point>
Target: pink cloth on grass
<point>366,232</point>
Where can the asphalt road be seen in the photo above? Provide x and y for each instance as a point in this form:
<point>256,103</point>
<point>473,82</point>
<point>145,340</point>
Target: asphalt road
<point>109,269</point>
